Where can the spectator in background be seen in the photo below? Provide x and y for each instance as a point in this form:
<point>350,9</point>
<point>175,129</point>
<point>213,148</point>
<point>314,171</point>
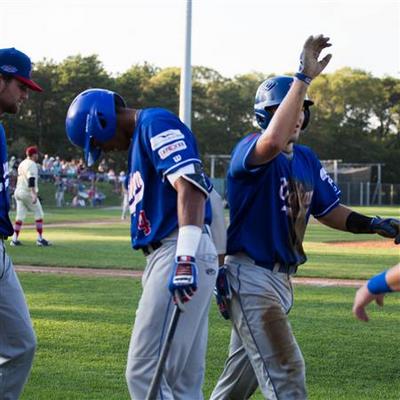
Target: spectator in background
<point>26,197</point>
<point>124,192</point>
<point>60,190</point>
<point>57,170</point>
<point>45,163</point>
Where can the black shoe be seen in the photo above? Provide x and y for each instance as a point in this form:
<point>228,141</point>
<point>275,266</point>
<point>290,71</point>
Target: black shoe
<point>42,243</point>
<point>15,243</point>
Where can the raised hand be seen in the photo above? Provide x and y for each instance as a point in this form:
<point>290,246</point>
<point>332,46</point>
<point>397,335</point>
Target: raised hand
<point>310,65</point>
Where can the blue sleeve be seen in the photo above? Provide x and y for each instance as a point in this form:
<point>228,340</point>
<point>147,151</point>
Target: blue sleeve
<point>326,194</point>
<point>238,165</point>
<point>169,143</point>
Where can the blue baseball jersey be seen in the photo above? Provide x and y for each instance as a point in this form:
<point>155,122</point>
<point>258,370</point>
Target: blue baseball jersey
<point>6,228</point>
<point>270,204</point>
<point>161,144</point>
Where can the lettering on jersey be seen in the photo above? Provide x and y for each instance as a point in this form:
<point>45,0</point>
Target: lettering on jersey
<point>166,151</point>
<point>294,196</point>
<point>143,223</point>
<point>325,177</point>
<point>177,158</point>
<point>135,191</point>
<point>165,137</point>
<point>297,198</point>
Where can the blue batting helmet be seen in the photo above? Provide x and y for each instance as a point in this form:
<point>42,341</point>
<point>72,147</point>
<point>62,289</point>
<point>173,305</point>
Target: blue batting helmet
<point>92,115</point>
<point>270,94</point>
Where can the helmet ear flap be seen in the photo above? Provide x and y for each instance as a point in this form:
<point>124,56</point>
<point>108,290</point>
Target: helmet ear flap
<point>306,118</point>
<point>263,118</point>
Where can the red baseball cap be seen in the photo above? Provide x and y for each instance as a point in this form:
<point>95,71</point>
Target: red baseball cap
<point>31,150</point>
<point>18,65</point>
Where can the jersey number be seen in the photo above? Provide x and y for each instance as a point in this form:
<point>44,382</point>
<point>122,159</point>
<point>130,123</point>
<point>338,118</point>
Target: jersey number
<point>143,223</point>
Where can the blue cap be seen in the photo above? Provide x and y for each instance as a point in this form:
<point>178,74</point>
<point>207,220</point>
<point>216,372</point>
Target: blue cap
<point>18,65</point>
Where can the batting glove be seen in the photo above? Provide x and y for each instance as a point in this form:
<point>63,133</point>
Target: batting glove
<point>183,280</point>
<point>222,292</point>
<point>388,227</point>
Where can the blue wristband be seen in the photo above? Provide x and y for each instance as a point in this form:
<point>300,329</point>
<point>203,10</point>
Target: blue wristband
<point>303,77</point>
<point>378,284</point>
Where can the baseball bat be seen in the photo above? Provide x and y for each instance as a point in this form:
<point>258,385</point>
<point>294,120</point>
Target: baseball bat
<point>155,382</point>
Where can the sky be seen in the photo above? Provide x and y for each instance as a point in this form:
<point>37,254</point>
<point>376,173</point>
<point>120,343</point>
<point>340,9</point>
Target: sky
<point>232,37</point>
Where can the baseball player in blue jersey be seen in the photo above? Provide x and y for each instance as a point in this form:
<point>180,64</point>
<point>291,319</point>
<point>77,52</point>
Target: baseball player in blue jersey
<point>170,215</point>
<point>274,185</point>
<point>17,338</point>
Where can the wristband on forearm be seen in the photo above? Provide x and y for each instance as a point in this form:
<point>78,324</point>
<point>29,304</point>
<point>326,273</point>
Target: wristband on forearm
<point>303,77</point>
<point>188,240</point>
<point>378,284</point>
<point>357,223</point>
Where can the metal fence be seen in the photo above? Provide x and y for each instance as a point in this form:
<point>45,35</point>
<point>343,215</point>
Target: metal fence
<point>369,194</point>
<point>353,193</point>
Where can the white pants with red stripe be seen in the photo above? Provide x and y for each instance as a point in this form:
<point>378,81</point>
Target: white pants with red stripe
<point>24,205</point>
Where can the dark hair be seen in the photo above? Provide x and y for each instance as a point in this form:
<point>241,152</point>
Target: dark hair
<point>7,78</point>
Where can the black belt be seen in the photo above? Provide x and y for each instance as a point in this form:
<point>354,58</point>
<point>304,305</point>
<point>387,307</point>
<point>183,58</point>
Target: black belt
<point>3,237</point>
<point>147,250</point>
<point>277,267</point>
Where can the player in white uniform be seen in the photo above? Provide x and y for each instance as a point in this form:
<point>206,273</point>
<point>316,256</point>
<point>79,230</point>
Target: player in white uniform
<point>26,197</point>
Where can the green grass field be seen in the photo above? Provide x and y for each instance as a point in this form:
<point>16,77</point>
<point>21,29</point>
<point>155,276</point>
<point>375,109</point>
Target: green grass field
<point>108,245</point>
<point>84,324</point>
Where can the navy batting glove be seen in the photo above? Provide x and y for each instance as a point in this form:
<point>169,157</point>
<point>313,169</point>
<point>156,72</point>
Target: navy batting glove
<point>183,280</point>
<point>388,227</point>
<point>222,292</point>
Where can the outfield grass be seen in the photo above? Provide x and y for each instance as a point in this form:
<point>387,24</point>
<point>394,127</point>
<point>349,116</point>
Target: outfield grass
<point>84,325</point>
<point>108,246</point>
<point>75,215</point>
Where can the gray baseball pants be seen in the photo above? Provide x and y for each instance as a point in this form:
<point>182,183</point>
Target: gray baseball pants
<point>17,338</point>
<point>184,369</point>
<point>263,350</point>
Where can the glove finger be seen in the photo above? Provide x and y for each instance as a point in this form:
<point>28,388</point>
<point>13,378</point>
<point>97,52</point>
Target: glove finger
<point>186,295</point>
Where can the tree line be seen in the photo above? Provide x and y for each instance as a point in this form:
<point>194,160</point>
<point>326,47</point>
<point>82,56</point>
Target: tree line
<point>356,116</point>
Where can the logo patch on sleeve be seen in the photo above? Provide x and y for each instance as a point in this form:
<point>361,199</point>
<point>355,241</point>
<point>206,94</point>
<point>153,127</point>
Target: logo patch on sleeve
<point>165,137</point>
<point>166,151</point>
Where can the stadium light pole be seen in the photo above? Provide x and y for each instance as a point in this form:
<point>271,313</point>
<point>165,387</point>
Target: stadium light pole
<point>185,98</point>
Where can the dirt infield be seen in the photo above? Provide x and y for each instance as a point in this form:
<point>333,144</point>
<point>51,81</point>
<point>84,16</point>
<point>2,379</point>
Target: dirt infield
<point>123,273</point>
<point>376,244</point>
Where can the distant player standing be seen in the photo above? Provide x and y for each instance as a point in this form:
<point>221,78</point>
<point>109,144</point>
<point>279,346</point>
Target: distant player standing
<point>26,197</point>
<point>124,192</point>
<point>167,192</point>
<point>17,338</point>
<point>274,186</point>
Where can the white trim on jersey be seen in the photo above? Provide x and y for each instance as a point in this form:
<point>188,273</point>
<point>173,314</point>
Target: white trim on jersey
<point>187,169</point>
<point>180,165</point>
<point>327,209</point>
<point>185,173</point>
